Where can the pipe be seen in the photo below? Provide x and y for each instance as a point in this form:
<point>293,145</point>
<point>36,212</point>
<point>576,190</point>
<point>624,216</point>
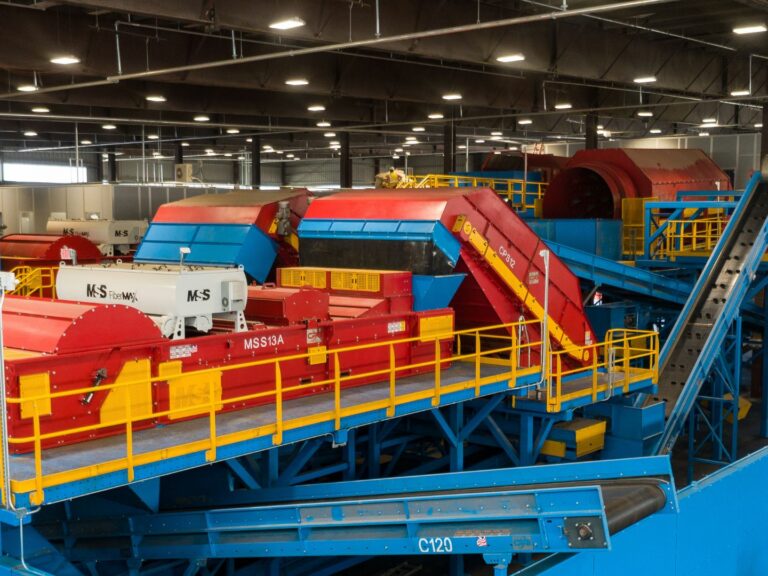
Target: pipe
<point>378,22</point>
<point>117,48</point>
<point>557,15</point>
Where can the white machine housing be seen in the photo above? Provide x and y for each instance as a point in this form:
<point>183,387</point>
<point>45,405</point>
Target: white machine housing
<point>112,236</point>
<point>174,296</point>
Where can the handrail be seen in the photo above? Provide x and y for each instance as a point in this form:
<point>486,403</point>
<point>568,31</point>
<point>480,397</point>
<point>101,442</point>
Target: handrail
<point>35,281</point>
<point>493,345</point>
<point>521,194</point>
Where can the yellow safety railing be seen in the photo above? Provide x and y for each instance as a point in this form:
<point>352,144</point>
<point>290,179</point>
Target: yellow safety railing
<point>499,346</point>
<point>520,194</point>
<point>696,237</point>
<point>34,281</point>
<point>626,356</point>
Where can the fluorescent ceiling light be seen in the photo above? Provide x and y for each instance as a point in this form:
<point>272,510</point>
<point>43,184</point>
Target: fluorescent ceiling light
<point>462,146</point>
<point>288,23</point>
<point>759,125</point>
<point>411,138</point>
<point>655,131</point>
<point>289,156</point>
<point>85,142</point>
<point>278,151</point>
<point>709,125</point>
<point>156,153</point>
<point>201,118</point>
<point>709,120</point>
<point>323,124</point>
<point>418,128</point>
<point>316,108</point>
<point>27,88</point>
<point>703,133</point>
<point>750,29</point>
<point>185,144</point>
<point>645,80</point>
<point>153,136</point>
<point>512,148</point>
<point>452,96</point>
<point>297,82</point>
<point>436,116</point>
<point>330,134</point>
<point>645,114</point>
<point>40,110</point>
<point>156,98</point>
<point>395,157</point>
<point>563,106</point>
<point>109,127</point>
<point>228,154</point>
<point>30,133</point>
<point>335,143</point>
<point>398,149</point>
<point>497,152</point>
<point>740,93</point>
<point>497,133</point>
<point>600,126</point>
<point>479,141</point>
<point>65,59</point>
<point>233,131</point>
<point>525,121</point>
<point>506,58</point>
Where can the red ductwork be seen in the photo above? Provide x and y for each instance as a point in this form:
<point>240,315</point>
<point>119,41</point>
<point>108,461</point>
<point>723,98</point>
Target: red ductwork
<point>594,182</point>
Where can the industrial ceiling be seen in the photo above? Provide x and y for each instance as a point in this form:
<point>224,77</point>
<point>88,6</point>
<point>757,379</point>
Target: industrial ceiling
<point>519,72</point>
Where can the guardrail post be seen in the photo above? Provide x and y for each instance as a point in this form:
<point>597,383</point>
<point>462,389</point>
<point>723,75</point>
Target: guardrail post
<point>210,455</point>
<point>477,363</point>
<point>277,439</point>
<point>594,375</point>
<point>392,379</point>
<point>336,391</point>
<point>436,398</point>
<point>513,359</point>
<point>37,497</point>
<point>129,441</point>
<point>626,364</point>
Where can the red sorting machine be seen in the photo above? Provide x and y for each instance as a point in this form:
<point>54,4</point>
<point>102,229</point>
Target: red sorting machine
<point>45,250</point>
<point>58,346</point>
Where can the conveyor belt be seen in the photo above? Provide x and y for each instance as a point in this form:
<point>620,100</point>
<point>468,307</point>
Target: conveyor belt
<point>715,301</point>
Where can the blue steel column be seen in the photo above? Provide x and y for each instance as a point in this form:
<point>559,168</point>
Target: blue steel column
<point>456,421</point>
<point>764,399</point>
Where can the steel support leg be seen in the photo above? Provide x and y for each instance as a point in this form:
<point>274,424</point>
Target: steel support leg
<point>764,390</point>
<point>456,420</point>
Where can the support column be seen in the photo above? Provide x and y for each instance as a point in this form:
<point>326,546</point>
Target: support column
<point>590,129</point>
<point>764,391</point>
<point>256,162</point>
<point>179,156</point>
<point>100,167</point>
<point>112,163</point>
<point>764,136</point>
<point>345,162</point>
<point>449,148</point>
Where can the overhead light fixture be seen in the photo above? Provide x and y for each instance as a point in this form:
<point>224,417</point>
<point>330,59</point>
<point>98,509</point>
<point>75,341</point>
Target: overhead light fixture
<point>65,59</point>
<point>398,149</point>
<point>209,151</point>
<point>645,114</point>
<point>506,58</point>
<point>334,146</point>
<point>411,138</point>
<point>296,158</point>
<point>750,29</point>
<point>406,144</point>
<point>600,126</point>
<point>563,106</point>
<point>86,142</point>
<point>185,144</point>
<point>40,110</point>
<point>703,133</point>
<point>156,153</point>
<point>479,141</point>
<point>316,108</point>
<point>462,146</point>
<point>323,124</point>
<point>201,118</point>
<point>108,127</point>
<point>497,152</point>
<point>289,156</point>
<point>496,133</point>
<point>241,157</point>
<point>228,154</point>
<point>297,82</point>
<point>330,134</point>
<point>645,80</point>
<point>249,139</point>
<point>709,120</point>
<point>436,116</point>
<point>418,129</point>
<point>709,125</point>
<point>27,88</point>
<point>30,133</point>
<point>335,143</point>
<point>525,121</point>
<point>740,93</point>
<point>395,157</point>
<point>233,131</point>
<point>452,96</point>
<point>155,98</point>
<point>105,156</point>
<point>267,147</point>
<point>288,23</point>
<point>759,125</point>
<point>655,131</point>
<point>278,151</point>
<point>153,136</point>
<point>512,148</point>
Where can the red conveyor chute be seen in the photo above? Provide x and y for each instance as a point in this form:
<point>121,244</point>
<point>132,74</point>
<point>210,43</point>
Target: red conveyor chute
<point>61,327</point>
<point>594,182</point>
<point>483,298</point>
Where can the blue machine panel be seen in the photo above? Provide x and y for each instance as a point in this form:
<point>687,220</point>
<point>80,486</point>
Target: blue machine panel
<point>600,237</point>
<point>210,244</point>
<point>433,292</point>
<point>418,230</point>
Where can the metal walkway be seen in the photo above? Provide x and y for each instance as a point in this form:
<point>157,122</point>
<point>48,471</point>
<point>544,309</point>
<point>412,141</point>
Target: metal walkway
<point>701,328</point>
